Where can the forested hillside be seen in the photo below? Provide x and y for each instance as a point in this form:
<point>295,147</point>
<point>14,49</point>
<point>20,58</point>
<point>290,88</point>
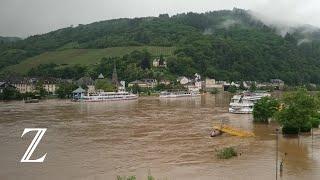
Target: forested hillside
<point>226,45</point>
<point>9,39</point>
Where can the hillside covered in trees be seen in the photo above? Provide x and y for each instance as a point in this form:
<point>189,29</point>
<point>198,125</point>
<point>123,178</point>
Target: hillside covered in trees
<point>226,45</point>
<point>9,39</point>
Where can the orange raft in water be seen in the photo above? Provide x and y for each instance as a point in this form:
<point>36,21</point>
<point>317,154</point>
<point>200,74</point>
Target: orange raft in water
<point>233,131</point>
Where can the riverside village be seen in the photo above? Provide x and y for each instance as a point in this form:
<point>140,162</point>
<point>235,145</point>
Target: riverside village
<point>266,104</point>
<point>78,89</point>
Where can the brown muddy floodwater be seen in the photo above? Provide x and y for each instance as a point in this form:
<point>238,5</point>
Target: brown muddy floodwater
<point>169,138</point>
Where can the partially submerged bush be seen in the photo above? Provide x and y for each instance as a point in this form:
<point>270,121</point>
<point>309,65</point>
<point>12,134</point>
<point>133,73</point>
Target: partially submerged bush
<point>306,127</point>
<point>149,177</point>
<point>315,122</point>
<point>265,109</point>
<point>290,130</point>
<point>227,153</point>
<point>214,91</point>
<point>298,107</point>
<point>126,178</point>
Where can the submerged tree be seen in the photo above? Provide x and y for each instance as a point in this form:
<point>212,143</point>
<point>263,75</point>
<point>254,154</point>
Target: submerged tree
<point>298,112</point>
<point>265,109</point>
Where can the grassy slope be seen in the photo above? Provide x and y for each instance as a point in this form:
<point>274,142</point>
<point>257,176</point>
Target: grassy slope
<point>82,56</point>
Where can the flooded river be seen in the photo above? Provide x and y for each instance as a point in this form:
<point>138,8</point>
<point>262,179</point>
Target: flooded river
<point>167,138</point>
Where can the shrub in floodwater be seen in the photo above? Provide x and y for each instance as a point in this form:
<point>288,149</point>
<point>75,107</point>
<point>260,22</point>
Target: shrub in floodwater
<point>134,177</point>
<point>214,91</point>
<point>315,122</point>
<point>227,153</point>
<point>126,178</point>
<point>306,127</point>
<point>298,107</point>
<point>290,130</point>
<point>150,177</point>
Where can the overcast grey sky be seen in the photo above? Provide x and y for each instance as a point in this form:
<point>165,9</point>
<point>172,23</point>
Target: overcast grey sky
<point>28,17</point>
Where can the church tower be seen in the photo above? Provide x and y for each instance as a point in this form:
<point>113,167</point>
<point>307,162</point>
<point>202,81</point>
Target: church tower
<point>115,80</point>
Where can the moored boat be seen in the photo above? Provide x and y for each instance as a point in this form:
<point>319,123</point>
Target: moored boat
<point>108,96</point>
<point>29,100</point>
<point>178,94</point>
<point>244,103</point>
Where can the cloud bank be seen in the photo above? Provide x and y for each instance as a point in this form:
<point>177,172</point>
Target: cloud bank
<point>28,17</point>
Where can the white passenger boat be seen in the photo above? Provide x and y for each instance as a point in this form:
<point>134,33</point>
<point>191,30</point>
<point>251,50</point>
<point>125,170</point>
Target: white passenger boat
<point>244,103</point>
<point>177,94</point>
<point>108,96</point>
<point>241,108</point>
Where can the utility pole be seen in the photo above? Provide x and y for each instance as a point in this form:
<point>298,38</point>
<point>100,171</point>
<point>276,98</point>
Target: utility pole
<point>277,144</point>
<point>312,141</point>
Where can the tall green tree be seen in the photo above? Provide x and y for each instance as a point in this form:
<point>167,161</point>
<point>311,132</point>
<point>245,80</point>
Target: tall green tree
<point>40,89</point>
<point>298,111</point>
<point>64,90</point>
<point>105,85</point>
<point>9,93</point>
<point>146,60</point>
<point>264,109</point>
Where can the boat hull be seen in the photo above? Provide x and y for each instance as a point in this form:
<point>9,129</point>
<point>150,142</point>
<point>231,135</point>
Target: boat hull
<point>178,96</point>
<point>32,101</point>
<point>109,99</point>
<point>240,111</point>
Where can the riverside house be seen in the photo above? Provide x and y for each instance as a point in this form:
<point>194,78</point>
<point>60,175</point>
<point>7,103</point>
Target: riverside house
<point>165,82</point>
<point>277,84</point>
<point>211,84</point>
<point>89,83</point>
<point>28,84</point>
<point>192,84</point>
<point>24,84</point>
<point>144,83</point>
<point>50,84</point>
<point>158,63</point>
<point>183,80</point>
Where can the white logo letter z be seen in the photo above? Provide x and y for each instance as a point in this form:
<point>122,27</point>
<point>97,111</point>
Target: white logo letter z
<point>37,138</point>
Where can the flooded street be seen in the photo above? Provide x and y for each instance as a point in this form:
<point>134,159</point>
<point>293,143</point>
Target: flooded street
<point>169,138</point>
